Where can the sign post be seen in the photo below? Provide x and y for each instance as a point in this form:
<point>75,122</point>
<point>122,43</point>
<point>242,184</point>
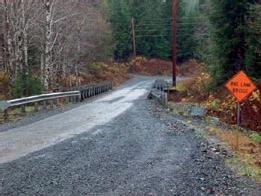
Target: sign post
<point>240,86</point>
<point>238,115</point>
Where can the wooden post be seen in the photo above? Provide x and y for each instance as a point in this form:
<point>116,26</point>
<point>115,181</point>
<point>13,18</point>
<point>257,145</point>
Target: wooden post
<point>238,125</point>
<point>238,115</point>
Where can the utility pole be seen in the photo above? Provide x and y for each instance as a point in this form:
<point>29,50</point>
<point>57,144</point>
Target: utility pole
<point>133,37</point>
<point>174,41</point>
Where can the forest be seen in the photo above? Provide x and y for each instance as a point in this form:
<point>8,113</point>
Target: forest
<point>48,45</point>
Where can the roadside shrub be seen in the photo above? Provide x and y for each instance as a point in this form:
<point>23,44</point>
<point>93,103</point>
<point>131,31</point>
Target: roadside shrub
<point>25,84</point>
<point>255,137</point>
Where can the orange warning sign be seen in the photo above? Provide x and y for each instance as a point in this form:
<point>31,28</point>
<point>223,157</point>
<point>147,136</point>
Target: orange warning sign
<point>240,86</point>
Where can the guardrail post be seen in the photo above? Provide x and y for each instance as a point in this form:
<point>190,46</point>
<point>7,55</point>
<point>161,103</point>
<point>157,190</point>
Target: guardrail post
<point>67,100</point>
<point>76,99</point>
<point>84,94</point>
<point>23,108</point>
<point>44,105</point>
<point>51,104</point>
<point>92,91</point>
<point>57,101</point>
<point>5,115</point>
<point>165,98</point>
<point>36,106</point>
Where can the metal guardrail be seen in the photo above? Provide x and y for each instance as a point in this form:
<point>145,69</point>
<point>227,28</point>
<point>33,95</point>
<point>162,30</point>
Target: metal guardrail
<point>160,91</point>
<point>44,97</point>
<point>91,90</point>
<point>75,94</point>
<point>71,96</point>
<point>161,85</point>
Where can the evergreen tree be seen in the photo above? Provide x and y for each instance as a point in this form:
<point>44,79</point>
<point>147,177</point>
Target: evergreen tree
<point>120,21</point>
<point>253,53</point>
<point>202,31</point>
<point>153,28</point>
<point>229,20</point>
<point>186,42</point>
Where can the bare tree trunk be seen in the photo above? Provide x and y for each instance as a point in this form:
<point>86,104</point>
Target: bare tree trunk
<point>48,44</point>
<point>42,68</point>
<point>7,39</point>
<point>24,35</point>
<point>20,35</point>
<point>17,44</point>
<point>77,74</point>
<point>60,30</point>
<point>12,38</point>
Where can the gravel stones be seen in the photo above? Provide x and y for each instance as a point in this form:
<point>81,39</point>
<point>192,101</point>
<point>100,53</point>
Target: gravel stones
<point>144,151</point>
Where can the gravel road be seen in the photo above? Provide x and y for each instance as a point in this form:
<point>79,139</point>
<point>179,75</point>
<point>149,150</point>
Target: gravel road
<point>116,144</point>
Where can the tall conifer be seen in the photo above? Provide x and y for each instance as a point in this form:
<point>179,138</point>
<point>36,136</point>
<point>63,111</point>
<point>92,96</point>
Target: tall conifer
<point>229,20</point>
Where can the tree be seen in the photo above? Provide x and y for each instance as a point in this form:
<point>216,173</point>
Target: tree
<point>16,17</point>
<point>253,53</point>
<point>186,22</point>
<point>65,34</point>
<point>52,39</point>
<point>5,35</point>
<point>201,27</point>
<point>16,21</point>
<point>153,29</point>
<point>120,20</point>
<point>90,38</point>
<point>229,20</point>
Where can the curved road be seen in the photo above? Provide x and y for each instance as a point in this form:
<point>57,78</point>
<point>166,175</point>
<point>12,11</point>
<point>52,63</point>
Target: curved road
<point>26,139</point>
<point>115,144</point>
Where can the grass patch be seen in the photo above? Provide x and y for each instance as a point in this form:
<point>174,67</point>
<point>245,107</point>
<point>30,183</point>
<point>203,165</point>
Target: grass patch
<point>247,159</point>
<point>243,168</point>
